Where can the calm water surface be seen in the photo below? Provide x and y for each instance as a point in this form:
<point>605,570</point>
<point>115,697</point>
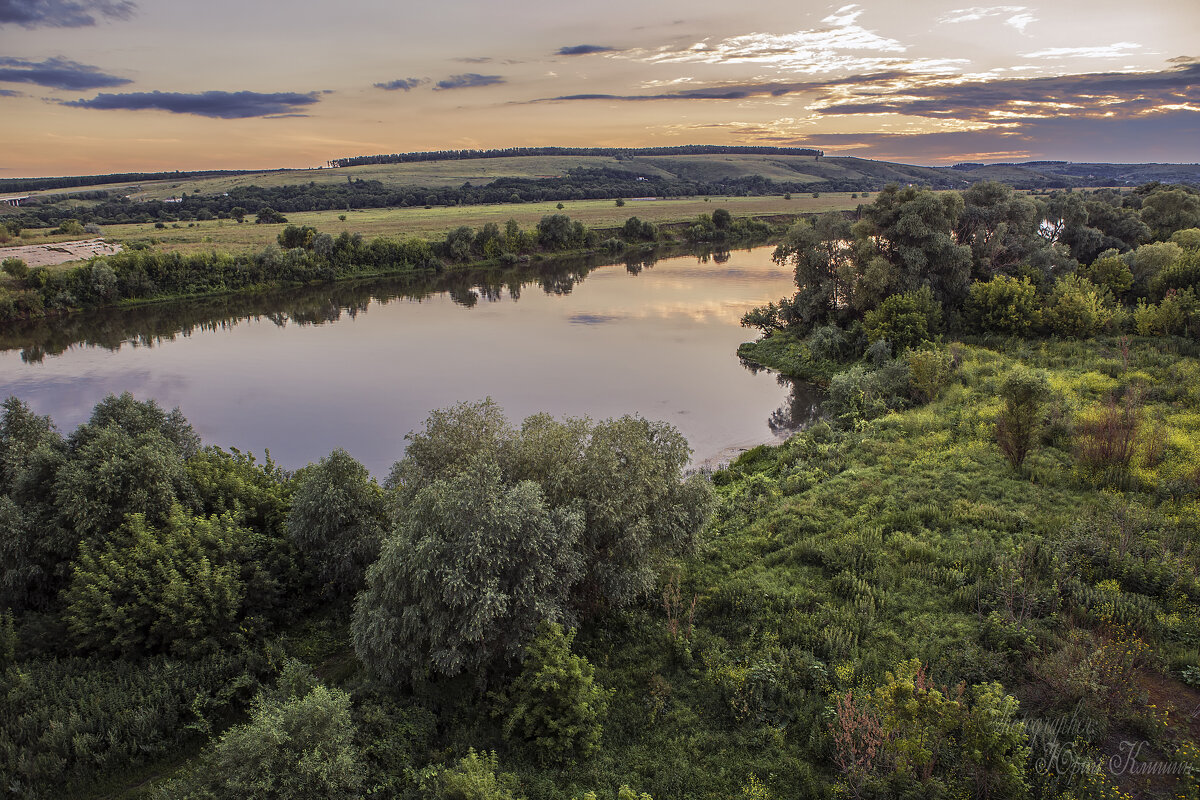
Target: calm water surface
<point>302,372</point>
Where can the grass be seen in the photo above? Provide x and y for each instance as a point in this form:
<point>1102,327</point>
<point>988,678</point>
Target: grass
<point>434,223</point>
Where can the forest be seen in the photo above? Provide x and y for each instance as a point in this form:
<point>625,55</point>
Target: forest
<point>977,577</point>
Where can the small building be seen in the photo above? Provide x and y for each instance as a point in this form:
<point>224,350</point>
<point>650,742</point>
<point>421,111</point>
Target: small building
<point>14,201</point>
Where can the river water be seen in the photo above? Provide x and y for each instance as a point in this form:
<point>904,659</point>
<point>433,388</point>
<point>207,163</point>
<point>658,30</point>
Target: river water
<point>358,365</point>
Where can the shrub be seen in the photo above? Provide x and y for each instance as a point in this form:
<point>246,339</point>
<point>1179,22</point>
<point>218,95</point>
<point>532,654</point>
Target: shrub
<point>476,777</point>
<point>292,749</point>
<point>556,705</point>
<point>1177,315</point>
<point>1078,308</point>
<point>1024,394</point>
<point>864,393</point>
<point>15,267</point>
<point>1107,440</point>
<point>1003,305</point>
<point>176,590</point>
<point>905,320</point>
<point>1109,271</point>
<point>930,370</point>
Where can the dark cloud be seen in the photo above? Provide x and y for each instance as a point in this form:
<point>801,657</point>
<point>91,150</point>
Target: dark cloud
<point>584,50</point>
<point>1097,96</point>
<point>402,84</point>
<point>11,93</point>
<point>57,73</point>
<point>998,101</point>
<point>740,91</point>
<point>62,13</point>
<point>219,105</point>
<point>1167,136</point>
<point>467,81</point>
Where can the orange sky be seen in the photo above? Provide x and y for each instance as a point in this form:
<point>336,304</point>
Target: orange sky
<point>93,86</point>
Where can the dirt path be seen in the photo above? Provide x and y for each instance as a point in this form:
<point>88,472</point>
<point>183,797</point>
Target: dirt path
<point>48,255</point>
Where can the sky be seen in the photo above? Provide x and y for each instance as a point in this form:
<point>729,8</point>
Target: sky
<point>101,86</point>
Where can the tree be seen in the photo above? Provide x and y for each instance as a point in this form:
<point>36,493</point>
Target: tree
<point>463,582</point>
<point>238,213</point>
<point>475,777</point>
<point>337,521</point>
<point>1169,210</point>
<point>459,242</point>
<point>626,475</point>
<point>722,218</point>
<point>1017,427</point>
<point>1078,308</point>
<point>824,268</point>
<point>268,216</point>
<point>556,706</point>
<point>1000,226</point>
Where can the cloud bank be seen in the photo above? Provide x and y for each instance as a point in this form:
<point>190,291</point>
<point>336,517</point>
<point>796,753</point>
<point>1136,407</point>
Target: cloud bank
<point>63,13</point>
<point>217,105</point>
<point>57,73</point>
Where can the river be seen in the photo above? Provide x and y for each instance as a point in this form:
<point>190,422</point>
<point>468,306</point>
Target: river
<point>358,365</point>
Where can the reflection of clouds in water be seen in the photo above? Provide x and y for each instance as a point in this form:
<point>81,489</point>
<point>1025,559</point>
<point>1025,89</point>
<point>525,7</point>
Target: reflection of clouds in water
<point>69,399</point>
<point>732,274</point>
<point>594,319</point>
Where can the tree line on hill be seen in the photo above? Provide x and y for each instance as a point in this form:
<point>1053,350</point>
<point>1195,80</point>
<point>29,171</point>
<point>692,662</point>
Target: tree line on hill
<point>609,152</point>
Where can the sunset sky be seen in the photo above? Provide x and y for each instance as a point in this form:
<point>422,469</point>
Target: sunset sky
<point>92,86</point>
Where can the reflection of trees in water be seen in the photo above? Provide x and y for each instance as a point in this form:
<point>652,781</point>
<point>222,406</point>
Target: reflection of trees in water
<point>802,409</point>
<point>154,323</point>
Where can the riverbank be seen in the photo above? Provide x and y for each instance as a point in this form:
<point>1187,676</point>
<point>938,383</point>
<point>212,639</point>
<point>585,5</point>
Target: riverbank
<point>305,255</point>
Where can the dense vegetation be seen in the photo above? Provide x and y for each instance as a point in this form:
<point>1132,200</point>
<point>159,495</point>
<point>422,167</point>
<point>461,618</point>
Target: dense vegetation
<point>305,255</point>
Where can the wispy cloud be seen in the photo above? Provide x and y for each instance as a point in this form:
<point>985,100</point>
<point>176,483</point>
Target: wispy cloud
<point>841,45</point>
<point>467,80</point>
<point>1018,17</point>
<point>584,50</point>
<point>63,13</point>
<point>217,105</point>
<point>57,73</point>
<point>402,84</point>
<point>1114,50</point>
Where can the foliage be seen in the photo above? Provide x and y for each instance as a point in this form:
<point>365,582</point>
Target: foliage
<point>905,320</point>
<point>172,590</point>
<point>1020,421</point>
<point>463,582</point>
<point>1003,305</point>
<point>477,777</point>
<point>15,267</point>
<point>555,703</point>
<point>337,521</point>
<point>291,749</point>
<point>1077,307</point>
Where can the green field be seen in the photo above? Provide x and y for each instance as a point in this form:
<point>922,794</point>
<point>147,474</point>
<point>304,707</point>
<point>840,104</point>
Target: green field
<point>229,236</point>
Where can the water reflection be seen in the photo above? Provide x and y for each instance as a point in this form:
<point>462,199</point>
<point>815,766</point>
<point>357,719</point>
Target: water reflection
<point>359,364</point>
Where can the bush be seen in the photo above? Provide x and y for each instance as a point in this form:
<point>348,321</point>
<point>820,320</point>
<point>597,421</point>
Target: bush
<point>476,777</point>
<point>555,704</point>
<point>930,369</point>
<point>15,267</point>
<point>905,320</point>
<point>1017,428</point>
<point>292,749</point>
<point>1078,308</point>
<point>1003,305</point>
<point>1177,315</point>
<point>176,590</point>
<point>864,393</point>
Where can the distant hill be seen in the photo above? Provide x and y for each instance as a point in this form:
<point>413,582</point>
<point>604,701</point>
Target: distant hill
<point>538,174</point>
